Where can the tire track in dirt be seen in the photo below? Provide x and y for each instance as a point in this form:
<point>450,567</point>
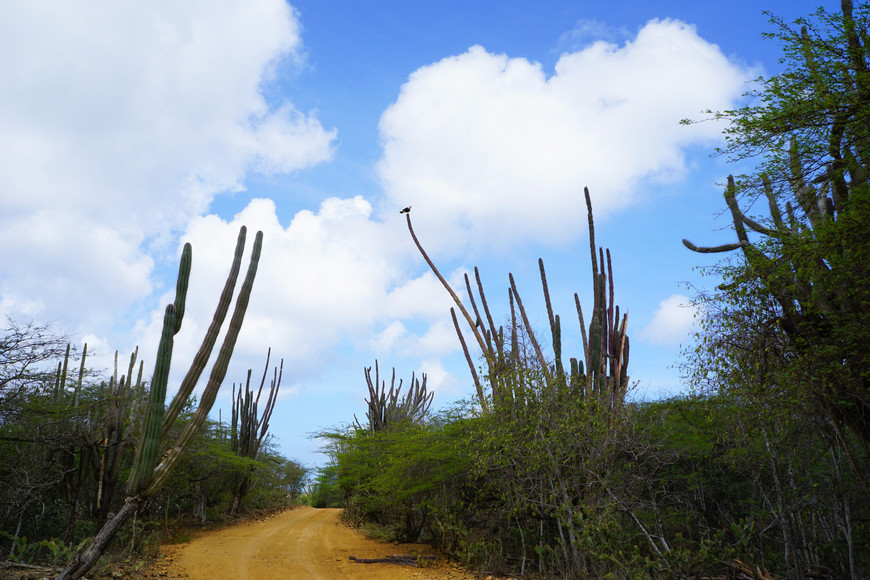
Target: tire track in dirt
<point>304,543</point>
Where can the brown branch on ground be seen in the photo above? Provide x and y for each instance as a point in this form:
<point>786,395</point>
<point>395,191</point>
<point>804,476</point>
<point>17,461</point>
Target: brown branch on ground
<point>407,560</point>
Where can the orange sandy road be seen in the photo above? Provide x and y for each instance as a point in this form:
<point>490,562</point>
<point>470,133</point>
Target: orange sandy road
<point>304,543</point>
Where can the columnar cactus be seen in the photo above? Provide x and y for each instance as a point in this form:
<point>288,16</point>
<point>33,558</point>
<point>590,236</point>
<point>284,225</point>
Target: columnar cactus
<point>149,445</point>
<point>123,399</point>
<point>75,455</point>
<point>249,427</point>
<point>386,408</point>
<point>605,347</point>
<point>148,475</point>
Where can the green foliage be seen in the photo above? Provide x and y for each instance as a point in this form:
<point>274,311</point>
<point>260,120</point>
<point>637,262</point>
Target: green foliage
<point>800,286</point>
<point>786,337</point>
<point>325,492</point>
<point>37,503</point>
<point>51,551</point>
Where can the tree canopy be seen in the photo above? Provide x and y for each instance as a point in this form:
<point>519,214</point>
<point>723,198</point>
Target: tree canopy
<point>795,305</point>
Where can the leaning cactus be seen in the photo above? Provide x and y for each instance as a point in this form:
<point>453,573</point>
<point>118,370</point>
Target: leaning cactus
<point>148,475</point>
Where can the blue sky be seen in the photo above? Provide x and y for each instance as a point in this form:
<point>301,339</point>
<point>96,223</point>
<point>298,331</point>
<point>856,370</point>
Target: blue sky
<point>131,129</point>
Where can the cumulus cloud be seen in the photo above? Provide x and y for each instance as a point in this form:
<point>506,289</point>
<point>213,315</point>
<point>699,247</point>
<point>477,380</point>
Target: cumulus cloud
<point>586,31</point>
<point>120,123</point>
<point>438,379</point>
<point>672,322</point>
<point>495,152</point>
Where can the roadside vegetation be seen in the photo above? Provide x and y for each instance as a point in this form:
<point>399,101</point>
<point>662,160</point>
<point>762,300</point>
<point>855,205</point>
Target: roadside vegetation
<point>64,465</point>
<point>761,470</point>
<point>85,460</point>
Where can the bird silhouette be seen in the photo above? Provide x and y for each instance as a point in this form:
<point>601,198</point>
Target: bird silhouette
<point>406,210</point>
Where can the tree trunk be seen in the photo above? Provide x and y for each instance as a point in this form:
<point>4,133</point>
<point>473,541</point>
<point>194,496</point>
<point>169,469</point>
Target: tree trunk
<point>85,559</point>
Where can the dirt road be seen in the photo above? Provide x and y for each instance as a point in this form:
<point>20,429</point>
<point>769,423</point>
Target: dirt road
<point>304,543</point>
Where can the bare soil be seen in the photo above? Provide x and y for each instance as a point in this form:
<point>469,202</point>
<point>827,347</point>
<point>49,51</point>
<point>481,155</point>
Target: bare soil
<point>303,543</point>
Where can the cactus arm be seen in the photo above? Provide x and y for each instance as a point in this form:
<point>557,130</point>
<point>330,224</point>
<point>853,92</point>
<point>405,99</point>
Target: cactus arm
<point>478,319</point>
<point>530,331</point>
<point>483,404</point>
<point>557,348</point>
<point>201,358</point>
<point>146,454</point>
<point>771,203</point>
<point>81,376</point>
<point>711,249</point>
<point>591,223</point>
<point>182,284</point>
<point>265,374</point>
<point>486,311</point>
<point>218,373</point>
<point>62,374</point>
<point>444,283</point>
<point>582,328</point>
<point>270,403</point>
<point>487,335</point>
<point>58,390</point>
<point>555,325</point>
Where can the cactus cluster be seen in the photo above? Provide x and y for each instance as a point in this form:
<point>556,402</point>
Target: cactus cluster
<point>100,432</point>
<point>249,427</point>
<point>387,408</point>
<point>601,372</point>
<point>123,403</point>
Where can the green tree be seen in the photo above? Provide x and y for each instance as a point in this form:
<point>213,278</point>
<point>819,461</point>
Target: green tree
<point>795,305</point>
<point>787,335</point>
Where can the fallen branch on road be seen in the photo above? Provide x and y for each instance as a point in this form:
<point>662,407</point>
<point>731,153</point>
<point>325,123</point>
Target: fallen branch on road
<point>406,560</point>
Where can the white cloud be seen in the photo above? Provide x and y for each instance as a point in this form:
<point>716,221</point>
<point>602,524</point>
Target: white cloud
<point>328,277</point>
<point>385,342</point>
<point>672,322</point>
<point>120,123</point>
<point>587,31</point>
<point>424,296</point>
<point>441,381</point>
<point>487,148</point>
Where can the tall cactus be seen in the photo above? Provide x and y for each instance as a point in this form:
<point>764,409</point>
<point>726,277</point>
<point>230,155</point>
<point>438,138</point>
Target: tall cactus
<point>146,453</point>
<point>605,348</point>
<point>75,456</point>
<point>122,401</point>
<point>148,475</point>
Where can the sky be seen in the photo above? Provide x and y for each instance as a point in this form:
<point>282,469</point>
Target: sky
<point>130,128</point>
